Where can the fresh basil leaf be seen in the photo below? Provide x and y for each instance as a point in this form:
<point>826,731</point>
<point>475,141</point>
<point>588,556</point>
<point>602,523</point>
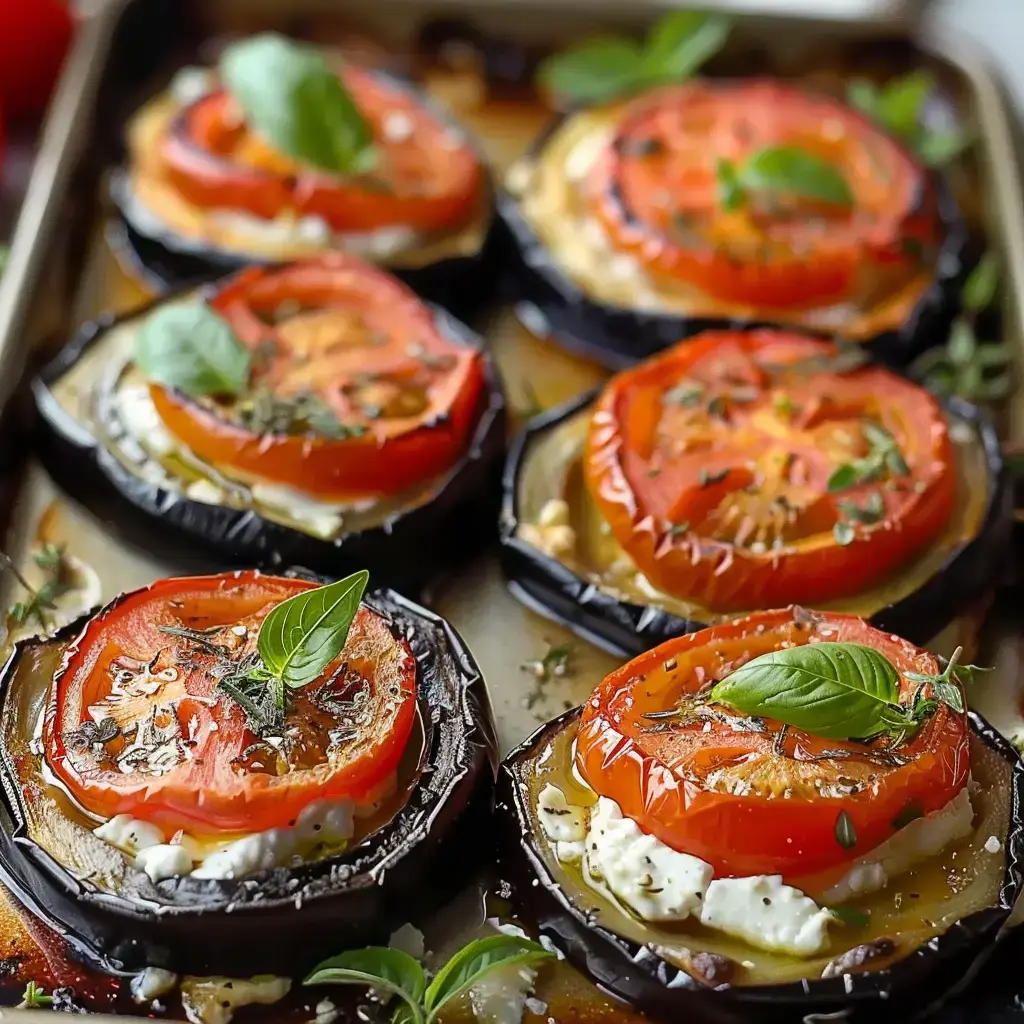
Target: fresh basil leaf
<point>680,43</point>
<point>475,960</point>
<point>843,478</point>
<point>937,148</point>
<point>188,346</point>
<point>788,170</point>
<point>378,967</point>
<point>834,690</point>
<point>303,635</point>
<point>597,70</point>
<point>864,95</point>
<point>901,102</point>
<point>980,286</point>
<point>293,99</point>
<point>730,194</point>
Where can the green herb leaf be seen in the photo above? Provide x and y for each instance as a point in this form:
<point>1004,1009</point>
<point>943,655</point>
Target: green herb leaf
<point>378,967</point>
<point>293,99</point>
<point>303,635</point>
<point>35,997</point>
<point>834,690</point>
<point>981,284</point>
<point>790,171</point>
<point>188,346</point>
<point>597,70</point>
<point>945,685</point>
<point>901,102</point>
<point>939,148</point>
<point>962,345</point>
<point>475,960</point>
<point>870,512</point>
<point>850,917</point>
<point>730,193</point>
<point>843,478</point>
<point>681,43</point>
<point>683,394</point>
<point>608,67</point>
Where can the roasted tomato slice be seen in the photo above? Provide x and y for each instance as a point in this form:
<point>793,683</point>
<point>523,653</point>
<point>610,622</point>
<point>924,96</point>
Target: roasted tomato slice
<point>766,800</point>
<point>179,752</point>
<point>656,189</point>
<point>740,471</point>
<point>402,396</point>
<point>427,178</point>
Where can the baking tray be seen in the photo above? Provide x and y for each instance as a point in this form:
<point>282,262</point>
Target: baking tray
<point>61,273</point>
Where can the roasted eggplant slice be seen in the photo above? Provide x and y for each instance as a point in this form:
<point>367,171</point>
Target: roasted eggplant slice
<point>699,857</point>
<point>720,202</point>
<point>745,470</point>
<point>214,181</point>
<point>316,413</point>
<point>167,802</point>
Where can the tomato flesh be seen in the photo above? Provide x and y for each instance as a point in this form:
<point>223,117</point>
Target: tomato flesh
<point>657,191</point>
<point>334,327</point>
<point>181,753</point>
<point>755,802</point>
<point>712,464</point>
<point>426,177</point>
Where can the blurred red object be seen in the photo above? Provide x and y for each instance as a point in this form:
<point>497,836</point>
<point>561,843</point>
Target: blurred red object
<point>34,39</point>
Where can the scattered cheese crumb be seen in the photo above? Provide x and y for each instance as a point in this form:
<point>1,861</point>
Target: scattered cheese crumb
<point>993,845</point>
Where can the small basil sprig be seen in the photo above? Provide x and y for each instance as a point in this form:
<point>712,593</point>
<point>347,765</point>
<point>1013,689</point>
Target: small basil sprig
<point>400,975</point>
<point>781,172</point>
<point>977,371</point>
<point>841,691</point>
<point>608,67</point>
<point>899,105</point>
<point>189,347</point>
<point>292,98</point>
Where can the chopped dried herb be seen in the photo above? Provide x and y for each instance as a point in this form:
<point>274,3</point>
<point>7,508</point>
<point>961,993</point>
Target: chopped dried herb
<point>678,529</point>
<point>556,662</point>
<point>304,413</point>
<point>707,479</point>
<point>687,394</point>
<point>870,512</point>
<point>42,599</point>
<point>883,457</point>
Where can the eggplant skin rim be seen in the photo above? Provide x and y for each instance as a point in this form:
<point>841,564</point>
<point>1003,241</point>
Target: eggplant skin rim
<point>306,906</point>
<point>652,985</point>
<point>406,550</point>
<point>551,589</point>
<point>165,261</point>
<point>552,305</point>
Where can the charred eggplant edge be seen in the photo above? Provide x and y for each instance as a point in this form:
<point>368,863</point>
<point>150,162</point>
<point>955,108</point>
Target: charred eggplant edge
<point>456,520</point>
<point>321,906</point>
<point>165,261</point>
<point>652,985</point>
<point>551,305</point>
<point>550,588</point>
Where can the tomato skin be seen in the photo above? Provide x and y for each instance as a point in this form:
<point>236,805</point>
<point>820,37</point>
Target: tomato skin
<point>792,834</point>
<point>436,184</point>
<point>395,453</point>
<point>34,39</point>
<point>652,463</point>
<point>203,793</point>
<point>761,257</point>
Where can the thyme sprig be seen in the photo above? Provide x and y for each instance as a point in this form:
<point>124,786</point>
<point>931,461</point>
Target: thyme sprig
<point>42,599</point>
<point>884,456</point>
<point>35,997</point>
<point>263,412</point>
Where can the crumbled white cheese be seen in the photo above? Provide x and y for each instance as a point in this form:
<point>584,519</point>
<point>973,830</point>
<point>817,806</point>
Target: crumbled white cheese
<point>584,154</point>
<point>163,861</point>
<point>191,84</point>
<point>326,1012</point>
<point>917,841</point>
<point>554,512</point>
<point>128,834</point>
<point>500,996</point>
<point>409,939</point>
<point>138,414</point>
<point>555,541</point>
<point>319,517</point>
<point>657,882</point>
<point>323,821</point>
<point>765,912</point>
<point>993,845</point>
<point>205,491</point>
<point>152,983</point>
<point>215,1000</point>
<point>561,821</point>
